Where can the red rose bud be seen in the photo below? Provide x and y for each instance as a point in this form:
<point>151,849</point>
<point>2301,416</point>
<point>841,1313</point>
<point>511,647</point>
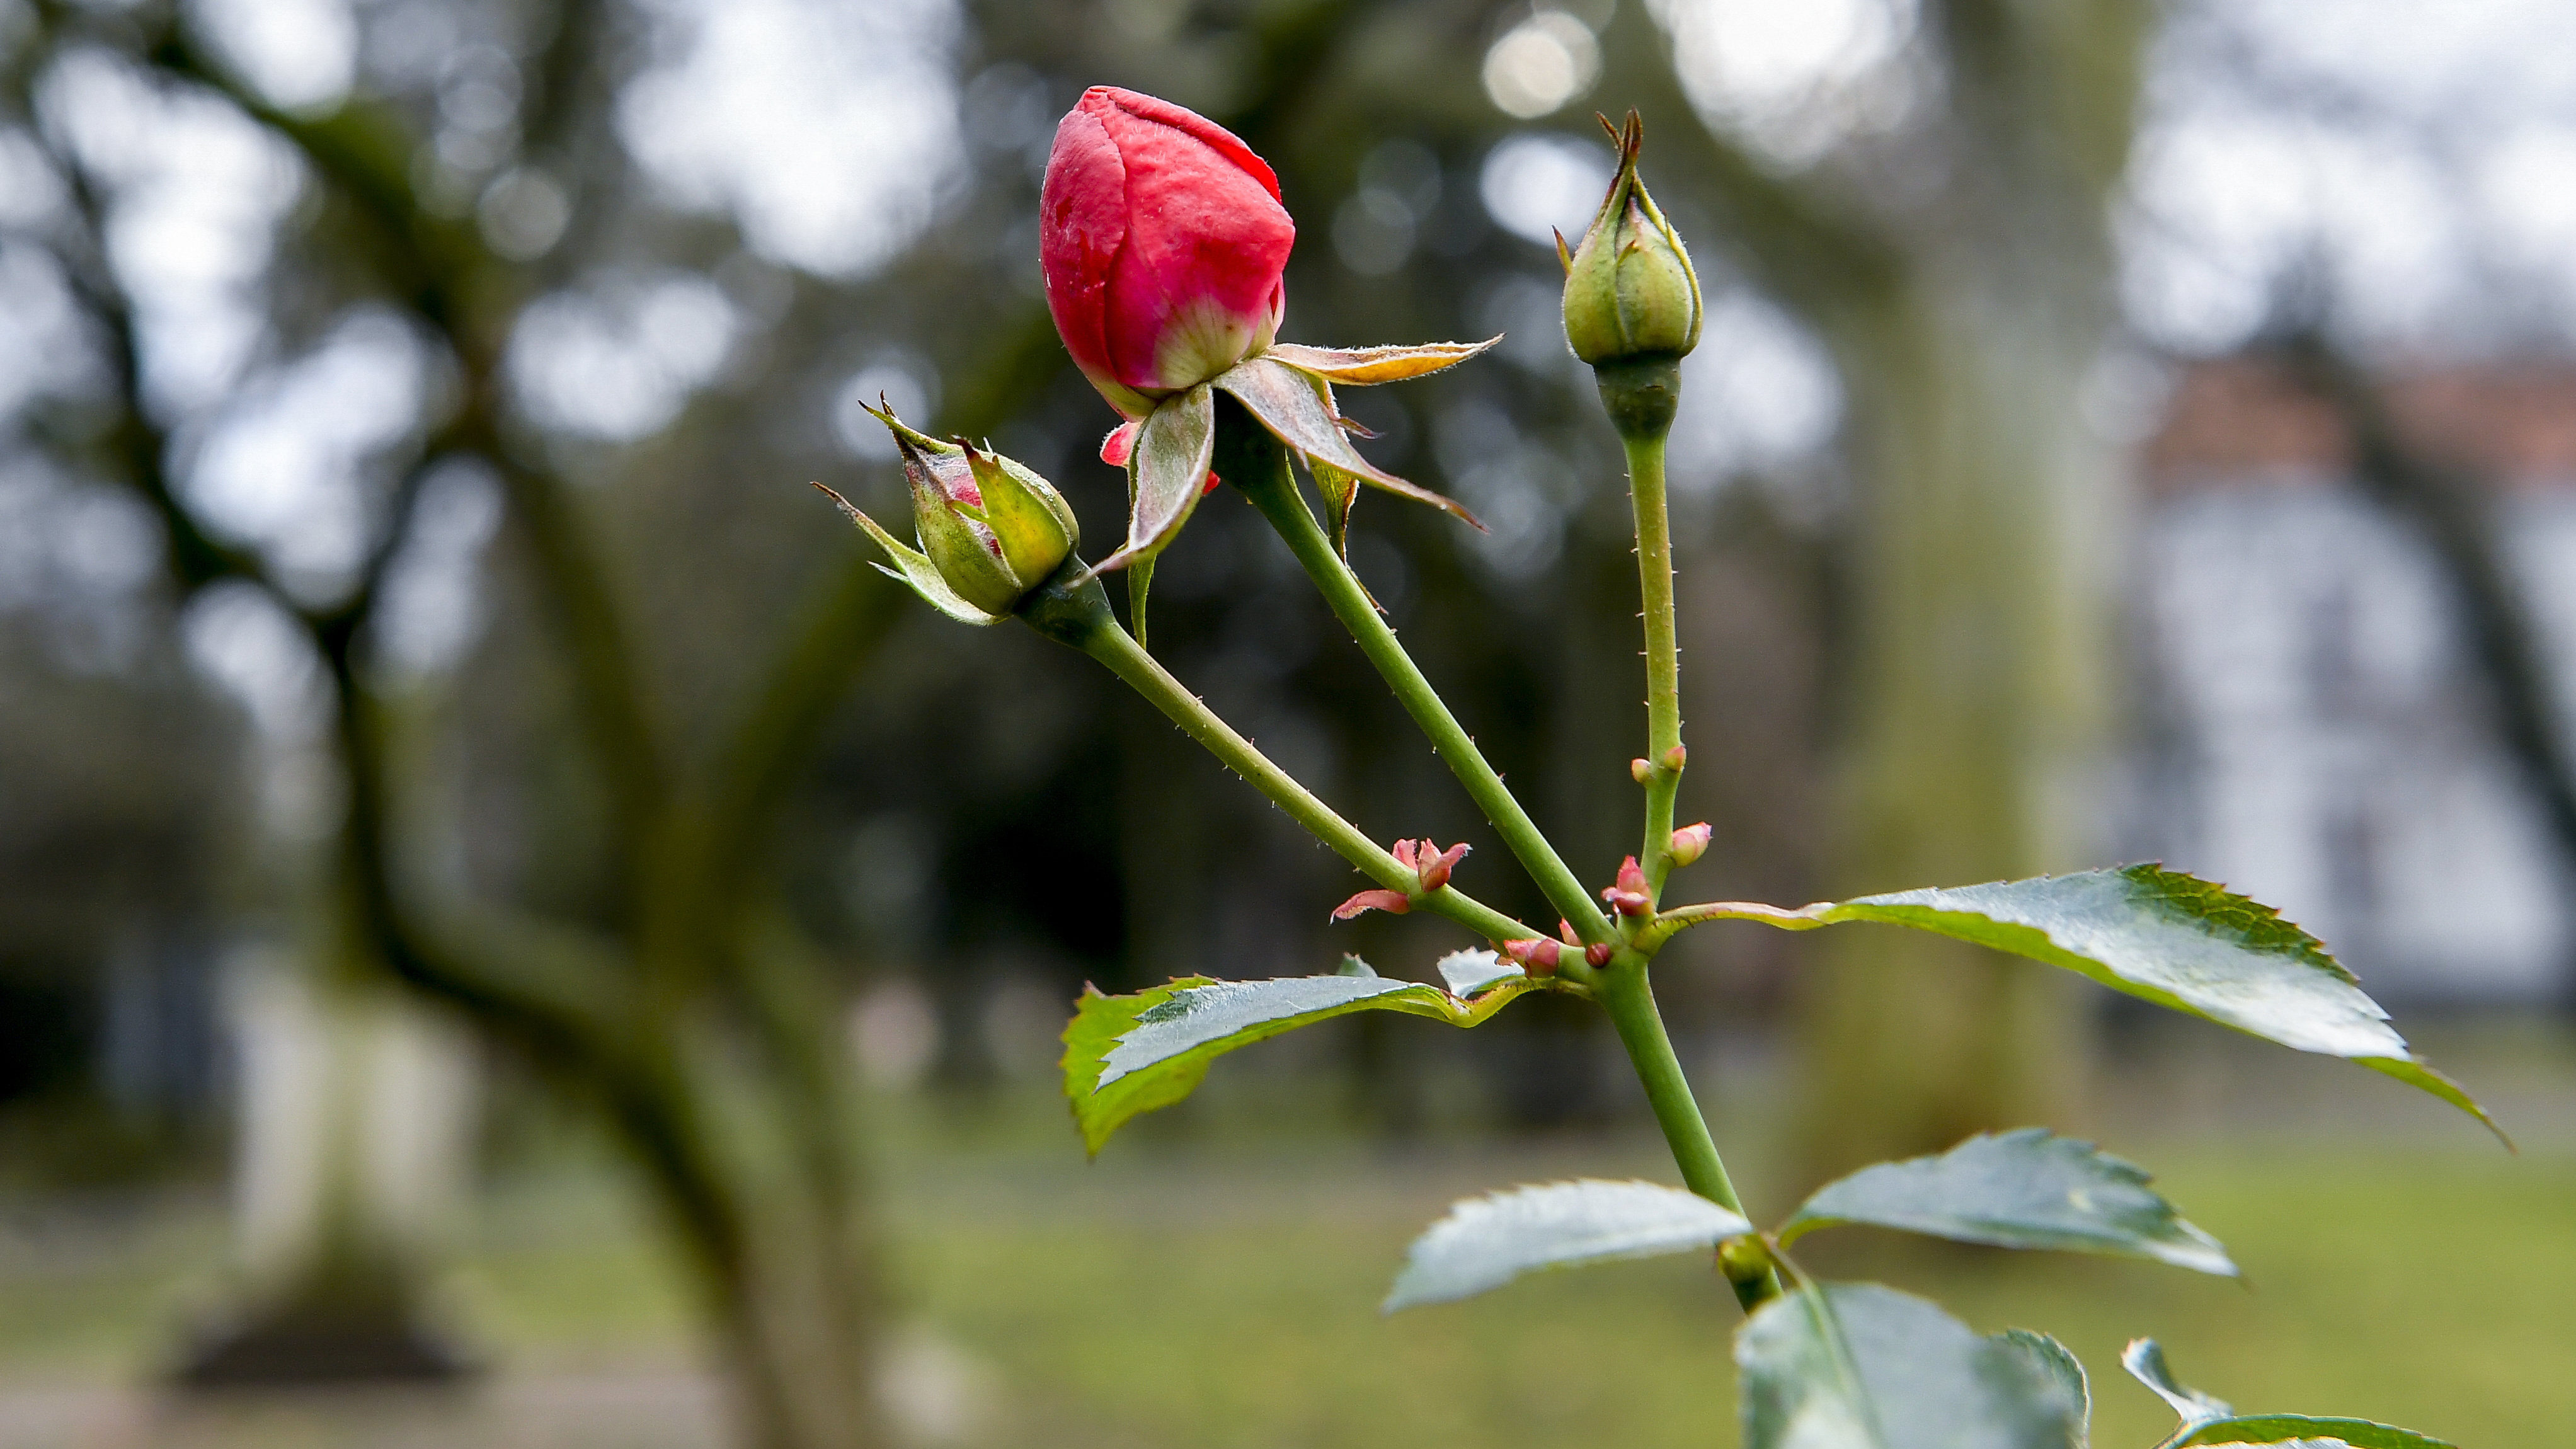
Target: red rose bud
<point>1675,758</point>
<point>1163,243</point>
<point>989,529</point>
<point>1394,903</point>
<point>1597,955</point>
<point>1641,769</point>
<point>1689,843</point>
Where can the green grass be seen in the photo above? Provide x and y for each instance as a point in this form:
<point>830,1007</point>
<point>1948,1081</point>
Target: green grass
<point>1183,1295</point>
<point>2434,1289</point>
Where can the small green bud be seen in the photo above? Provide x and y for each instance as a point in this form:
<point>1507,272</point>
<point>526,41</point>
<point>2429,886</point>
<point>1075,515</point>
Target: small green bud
<point>990,530</point>
<point>1629,288</point>
<point>1744,1259</point>
<point>1031,521</point>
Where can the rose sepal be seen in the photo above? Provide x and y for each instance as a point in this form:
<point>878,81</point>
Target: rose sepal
<point>1166,474</point>
<point>1369,366</point>
<point>913,568</point>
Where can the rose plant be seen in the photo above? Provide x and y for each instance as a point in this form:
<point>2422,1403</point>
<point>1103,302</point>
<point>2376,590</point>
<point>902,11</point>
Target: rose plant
<point>1164,240</point>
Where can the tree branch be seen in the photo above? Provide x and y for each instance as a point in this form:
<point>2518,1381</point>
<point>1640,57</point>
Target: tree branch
<point>444,272</point>
<point>546,1000</point>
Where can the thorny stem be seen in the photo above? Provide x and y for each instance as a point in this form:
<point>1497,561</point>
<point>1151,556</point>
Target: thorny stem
<point>1080,617</point>
<point>1663,656</point>
<point>1641,396</point>
<point>1624,993</point>
<point>1261,472</point>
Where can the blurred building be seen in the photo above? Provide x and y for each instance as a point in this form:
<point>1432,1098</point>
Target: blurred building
<point>2318,734</point>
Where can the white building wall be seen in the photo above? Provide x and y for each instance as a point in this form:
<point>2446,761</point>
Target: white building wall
<point>2320,741</point>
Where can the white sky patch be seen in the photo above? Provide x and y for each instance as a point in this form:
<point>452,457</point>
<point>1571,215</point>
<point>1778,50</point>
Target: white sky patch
<point>893,379</point>
<point>1793,79</point>
<point>1533,183</point>
<point>2528,183</point>
<point>2223,202</point>
<point>1540,64</point>
<point>2400,147</point>
<point>237,636</point>
<point>300,54</point>
<point>197,195</point>
<point>1760,393</point>
<point>619,361</point>
<point>434,607</point>
<point>244,642</point>
<point>39,333</point>
<point>29,190</point>
<point>2463,58</point>
<point>285,467</point>
<point>64,543</point>
<point>829,132</point>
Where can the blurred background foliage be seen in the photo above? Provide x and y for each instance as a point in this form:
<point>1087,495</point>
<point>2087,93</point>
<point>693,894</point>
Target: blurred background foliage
<point>408,579</point>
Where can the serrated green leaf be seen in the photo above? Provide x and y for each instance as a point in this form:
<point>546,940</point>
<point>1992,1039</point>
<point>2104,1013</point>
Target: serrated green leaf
<point>2296,1431</point>
<point>2059,1363</point>
<point>1129,1054</point>
<point>2175,940</point>
<point>1486,1242</point>
<point>1469,972</point>
<point>1098,1022</point>
<point>2144,1358</point>
<point>1859,1366</point>
<point>2022,1189</point>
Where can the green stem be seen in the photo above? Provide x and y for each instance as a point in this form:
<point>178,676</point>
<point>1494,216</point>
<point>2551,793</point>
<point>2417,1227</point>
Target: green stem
<point>1642,395</point>
<point>1080,617</point>
<point>1268,483</point>
<point>1623,993</point>
<point>1663,654</point>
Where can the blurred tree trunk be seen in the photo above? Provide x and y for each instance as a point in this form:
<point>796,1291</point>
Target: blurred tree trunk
<point>1980,697</point>
<point>1974,706</point>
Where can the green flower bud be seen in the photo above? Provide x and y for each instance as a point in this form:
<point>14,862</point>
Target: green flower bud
<point>1027,517</point>
<point>990,530</point>
<point>1629,288</point>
